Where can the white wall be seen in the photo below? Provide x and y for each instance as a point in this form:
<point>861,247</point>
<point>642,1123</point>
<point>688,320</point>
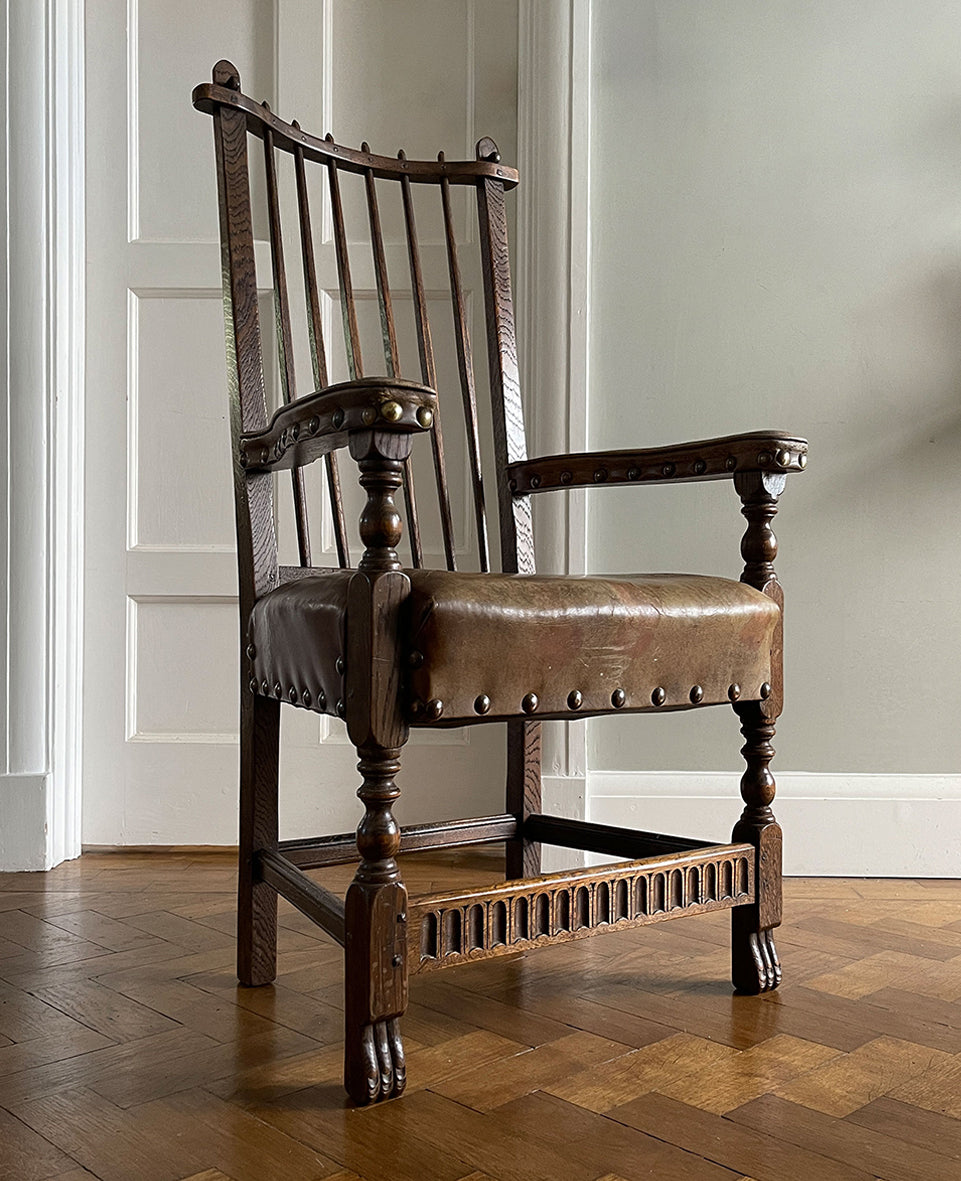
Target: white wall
<point>776,242</point>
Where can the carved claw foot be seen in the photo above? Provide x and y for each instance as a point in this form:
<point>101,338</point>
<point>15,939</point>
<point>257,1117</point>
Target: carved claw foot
<point>378,1071</point>
<point>757,967</point>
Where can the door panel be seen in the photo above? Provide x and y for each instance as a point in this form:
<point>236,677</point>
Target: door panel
<point>160,763</point>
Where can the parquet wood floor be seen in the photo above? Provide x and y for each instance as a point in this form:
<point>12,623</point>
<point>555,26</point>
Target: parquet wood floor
<point>128,1053</point>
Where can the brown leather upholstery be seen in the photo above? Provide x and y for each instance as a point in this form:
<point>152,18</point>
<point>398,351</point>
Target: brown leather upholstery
<point>295,641</point>
<point>501,645</point>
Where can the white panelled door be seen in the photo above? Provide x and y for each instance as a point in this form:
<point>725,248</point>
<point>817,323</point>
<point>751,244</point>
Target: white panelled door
<point>161,664</point>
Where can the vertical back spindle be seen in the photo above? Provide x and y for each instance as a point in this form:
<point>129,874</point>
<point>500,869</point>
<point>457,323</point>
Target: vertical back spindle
<point>318,357</point>
<point>355,366</point>
<point>425,351</point>
<point>465,365</point>
<point>390,345</point>
<point>517,533</point>
<point>285,348</point>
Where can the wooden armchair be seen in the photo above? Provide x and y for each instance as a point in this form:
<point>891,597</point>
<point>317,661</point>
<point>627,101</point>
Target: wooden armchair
<point>387,648</point>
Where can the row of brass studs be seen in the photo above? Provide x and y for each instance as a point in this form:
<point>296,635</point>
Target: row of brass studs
<point>433,710</point>
<point>782,459</point>
<point>390,411</point>
<point>293,694</point>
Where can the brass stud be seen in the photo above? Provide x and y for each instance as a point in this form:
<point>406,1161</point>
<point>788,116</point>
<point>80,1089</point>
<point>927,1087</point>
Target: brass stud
<point>731,463</point>
<point>529,704</point>
<point>618,698</point>
<point>575,699</point>
<point>251,651</point>
<point>633,473</point>
<point>368,416</point>
<point>535,481</point>
<point>295,431</point>
<point>415,659</point>
<point>482,704</point>
<point>337,419</point>
<point>321,699</point>
<point>314,425</point>
<point>243,457</point>
<point>264,455</point>
<point>765,691</point>
<point>425,416</point>
<point>512,484</point>
<point>700,467</point>
<point>434,709</point>
<point>659,696</point>
<point>339,665</point>
<point>668,469</point>
<point>253,686</point>
<point>783,458</point>
<point>566,477</point>
<point>764,458</point>
<point>264,688</point>
<point>416,708</point>
<point>697,694</point>
<point>600,475</point>
<point>734,691</point>
<point>305,697</point>
<point>278,689</point>
<point>391,411</point>
<point>292,694</point>
<point>339,709</point>
<point>802,459</point>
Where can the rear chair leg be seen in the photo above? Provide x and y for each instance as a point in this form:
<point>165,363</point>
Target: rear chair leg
<point>754,960</point>
<point>376,947</point>
<point>523,857</point>
<point>256,901</point>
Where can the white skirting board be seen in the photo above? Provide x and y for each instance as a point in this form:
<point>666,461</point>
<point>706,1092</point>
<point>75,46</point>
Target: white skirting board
<point>834,825</point>
<point>24,800</point>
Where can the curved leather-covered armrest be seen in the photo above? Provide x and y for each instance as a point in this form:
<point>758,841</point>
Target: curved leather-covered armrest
<point>710,459</point>
<point>313,425</point>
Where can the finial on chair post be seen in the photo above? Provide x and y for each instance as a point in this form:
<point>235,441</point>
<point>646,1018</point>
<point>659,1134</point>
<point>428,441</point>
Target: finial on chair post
<point>225,73</point>
<point>487,150</point>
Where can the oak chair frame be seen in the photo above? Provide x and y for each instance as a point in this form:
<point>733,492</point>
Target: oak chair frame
<point>385,935</point>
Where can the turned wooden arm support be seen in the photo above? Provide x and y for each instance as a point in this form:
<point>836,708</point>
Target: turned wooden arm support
<point>314,425</point>
<point>711,459</point>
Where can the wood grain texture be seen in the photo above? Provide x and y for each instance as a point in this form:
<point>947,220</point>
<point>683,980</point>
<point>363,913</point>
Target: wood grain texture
<point>523,796</point>
<point>257,901</point>
<point>224,93</point>
<point>677,463</point>
<point>516,526</point>
<point>556,908</point>
<point>614,1058</point>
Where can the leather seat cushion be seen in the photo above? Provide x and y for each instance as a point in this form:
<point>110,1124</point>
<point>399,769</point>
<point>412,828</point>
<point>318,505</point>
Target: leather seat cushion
<point>502,637</point>
<point>506,636</point>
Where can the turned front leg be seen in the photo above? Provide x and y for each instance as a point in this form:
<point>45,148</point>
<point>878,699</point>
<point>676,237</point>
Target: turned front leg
<point>376,941</point>
<point>376,905</point>
<point>754,960</point>
<point>755,966</point>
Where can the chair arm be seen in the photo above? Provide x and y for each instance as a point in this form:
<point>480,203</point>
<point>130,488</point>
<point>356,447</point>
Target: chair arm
<point>311,426</point>
<point>712,459</point>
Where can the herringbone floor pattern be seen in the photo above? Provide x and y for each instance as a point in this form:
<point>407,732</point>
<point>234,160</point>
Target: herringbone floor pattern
<point>128,1053</point>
